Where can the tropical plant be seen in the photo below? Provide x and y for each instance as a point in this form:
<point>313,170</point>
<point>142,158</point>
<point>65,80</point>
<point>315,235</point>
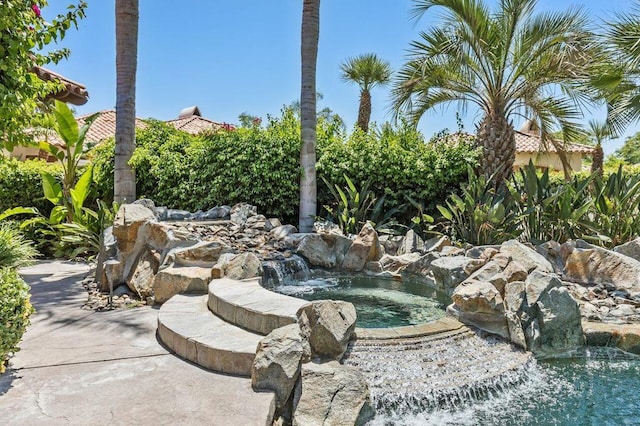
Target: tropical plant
<point>25,40</point>
<point>630,150</point>
<point>553,212</point>
<point>309,51</point>
<point>367,71</point>
<point>617,206</point>
<point>352,208</point>
<point>15,250</point>
<point>482,214</point>
<point>15,310</point>
<point>599,132</point>
<point>124,189</point>
<point>507,63</point>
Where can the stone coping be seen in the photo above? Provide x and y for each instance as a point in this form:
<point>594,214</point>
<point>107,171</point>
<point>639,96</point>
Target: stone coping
<point>623,336</point>
<point>249,305</point>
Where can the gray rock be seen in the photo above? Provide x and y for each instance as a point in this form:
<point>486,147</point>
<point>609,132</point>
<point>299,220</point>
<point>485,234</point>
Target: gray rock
<point>175,214</point>
<point>128,220</point>
<point>514,296</point>
<point>161,212</point>
<point>479,303</point>
<point>143,274</point>
<point>365,248</point>
<point>526,256</point>
<point>515,272</point>
<point>391,243</point>
<point>328,326</point>
<point>631,249</point>
<point>173,280</point>
<point>396,264</point>
<point>282,231</point>
<point>108,250</point>
<point>203,254</point>
<point>240,212</point>
<point>437,243</point>
<point>422,265</point>
<point>243,266</point>
<point>331,394</point>
<point>276,366</point>
<point>316,250</point>
<point>588,264</point>
<point>148,203</point>
<point>486,272</point>
<point>451,251</point>
<point>448,272</point>
<point>478,252</point>
<point>411,243</point>
<point>326,227</point>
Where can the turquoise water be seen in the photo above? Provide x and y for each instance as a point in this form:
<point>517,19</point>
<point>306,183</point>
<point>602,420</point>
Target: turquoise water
<point>599,386</point>
<point>379,302</point>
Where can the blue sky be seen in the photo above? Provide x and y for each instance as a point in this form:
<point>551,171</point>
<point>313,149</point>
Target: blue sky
<point>230,57</point>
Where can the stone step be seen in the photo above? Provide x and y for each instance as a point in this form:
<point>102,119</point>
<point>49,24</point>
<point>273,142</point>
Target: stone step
<point>248,305</point>
<point>190,330</point>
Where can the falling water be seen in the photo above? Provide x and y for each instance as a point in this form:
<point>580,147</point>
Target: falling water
<point>279,272</point>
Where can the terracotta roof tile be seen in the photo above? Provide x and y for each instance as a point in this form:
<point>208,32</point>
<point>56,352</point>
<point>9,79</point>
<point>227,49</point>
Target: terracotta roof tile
<point>73,92</point>
<point>529,143</point>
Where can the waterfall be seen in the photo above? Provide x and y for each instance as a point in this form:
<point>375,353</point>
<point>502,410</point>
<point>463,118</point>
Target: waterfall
<point>279,272</point>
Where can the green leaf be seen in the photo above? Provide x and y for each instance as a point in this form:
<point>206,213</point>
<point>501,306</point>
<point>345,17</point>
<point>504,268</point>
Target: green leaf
<point>18,210</point>
<point>51,187</point>
<point>66,125</point>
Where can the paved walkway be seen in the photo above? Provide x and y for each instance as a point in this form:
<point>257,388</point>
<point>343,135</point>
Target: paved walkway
<point>80,367</point>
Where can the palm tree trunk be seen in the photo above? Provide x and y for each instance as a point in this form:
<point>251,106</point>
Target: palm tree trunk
<point>364,112</point>
<point>308,119</point>
<point>497,139</point>
<point>124,188</point>
<point>598,160</point>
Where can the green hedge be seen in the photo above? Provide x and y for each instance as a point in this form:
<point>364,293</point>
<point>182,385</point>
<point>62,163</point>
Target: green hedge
<point>21,184</point>
<point>261,165</point>
<point>15,310</point>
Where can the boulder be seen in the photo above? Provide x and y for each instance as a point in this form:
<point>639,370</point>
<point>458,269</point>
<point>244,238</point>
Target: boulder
<point>316,250</point>
<point>451,251</point>
<point>365,248</point>
<point>514,295</point>
<point>437,243</point>
<point>552,322</point>
<point>448,272</point>
<point>328,326</point>
<point>173,280</point>
<point>515,272</point>
<point>587,264</point>
<point>282,231</point>
<point>161,236</point>
<point>479,303</point>
<point>143,274</point>
<point>482,252</point>
<point>411,243</point>
<point>331,394</point>
<point>276,366</point>
<point>217,271</point>
<point>175,214</point>
<point>422,265</point>
<point>631,249</point>
<point>486,272</point>
<point>396,264</point>
<point>148,203</point>
<point>339,244</point>
<point>128,220</point>
<point>243,266</point>
<point>391,243</point>
<point>203,254</point>
<point>551,250</point>
<point>526,256</point>
<point>241,212</point>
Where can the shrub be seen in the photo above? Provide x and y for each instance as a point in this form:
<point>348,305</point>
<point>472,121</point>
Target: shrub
<point>21,184</point>
<point>15,251</point>
<point>15,310</point>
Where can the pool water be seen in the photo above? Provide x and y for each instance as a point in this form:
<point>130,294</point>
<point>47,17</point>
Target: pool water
<point>598,386</point>
<point>379,302</point>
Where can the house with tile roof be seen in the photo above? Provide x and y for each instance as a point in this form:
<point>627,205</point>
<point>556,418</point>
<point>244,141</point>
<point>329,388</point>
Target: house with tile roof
<point>529,147</point>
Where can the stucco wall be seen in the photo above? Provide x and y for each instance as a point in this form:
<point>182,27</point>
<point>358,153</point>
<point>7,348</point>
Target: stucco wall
<point>548,160</point>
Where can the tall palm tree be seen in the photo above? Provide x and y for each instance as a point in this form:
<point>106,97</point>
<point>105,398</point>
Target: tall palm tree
<point>508,63</point>
<point>367,71</point>
<point>620,79</point>
<point>124,188</point>
<point>308,120</point>
<point>598,132</point>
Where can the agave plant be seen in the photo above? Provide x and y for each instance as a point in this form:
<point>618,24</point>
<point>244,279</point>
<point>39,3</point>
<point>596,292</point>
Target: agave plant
<point>482,214</point>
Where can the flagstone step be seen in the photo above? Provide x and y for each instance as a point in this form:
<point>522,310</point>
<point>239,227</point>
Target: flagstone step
<point>189,329</point>
<point>248,305</point>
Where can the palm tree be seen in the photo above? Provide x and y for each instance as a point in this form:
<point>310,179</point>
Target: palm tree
<point>620,79</point>
<point>309,52</point>
<point>124,188</point>
<point>598,132</point>
<point>367,71</point>
<point>508,63</point>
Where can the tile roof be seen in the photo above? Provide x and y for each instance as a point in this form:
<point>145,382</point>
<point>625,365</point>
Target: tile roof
<point>194,124</point>
<point>73,92</point>
<point>530,143</point>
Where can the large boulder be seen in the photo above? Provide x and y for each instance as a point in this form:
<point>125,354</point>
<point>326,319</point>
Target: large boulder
<point>411,243</point>
<point>143,274</point>
<point>526,256</point>
<point>282,231</point>
<point>331,394</point>
<point>317,251</point>
<point>241,212</point>
<point>479,303</point>
<point>588,264</point>
<point>203,254</point>
<point>276,366</point>
<point>365,248</point>
<point>514,297</point>
<point>128,220</point>
<point>422,265</point>
<point>328,325</point>
<point>173,280</point>
<point>243,266</point>
<point>631,249</point>
<point>551,317</point>
<point>448,272</point>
